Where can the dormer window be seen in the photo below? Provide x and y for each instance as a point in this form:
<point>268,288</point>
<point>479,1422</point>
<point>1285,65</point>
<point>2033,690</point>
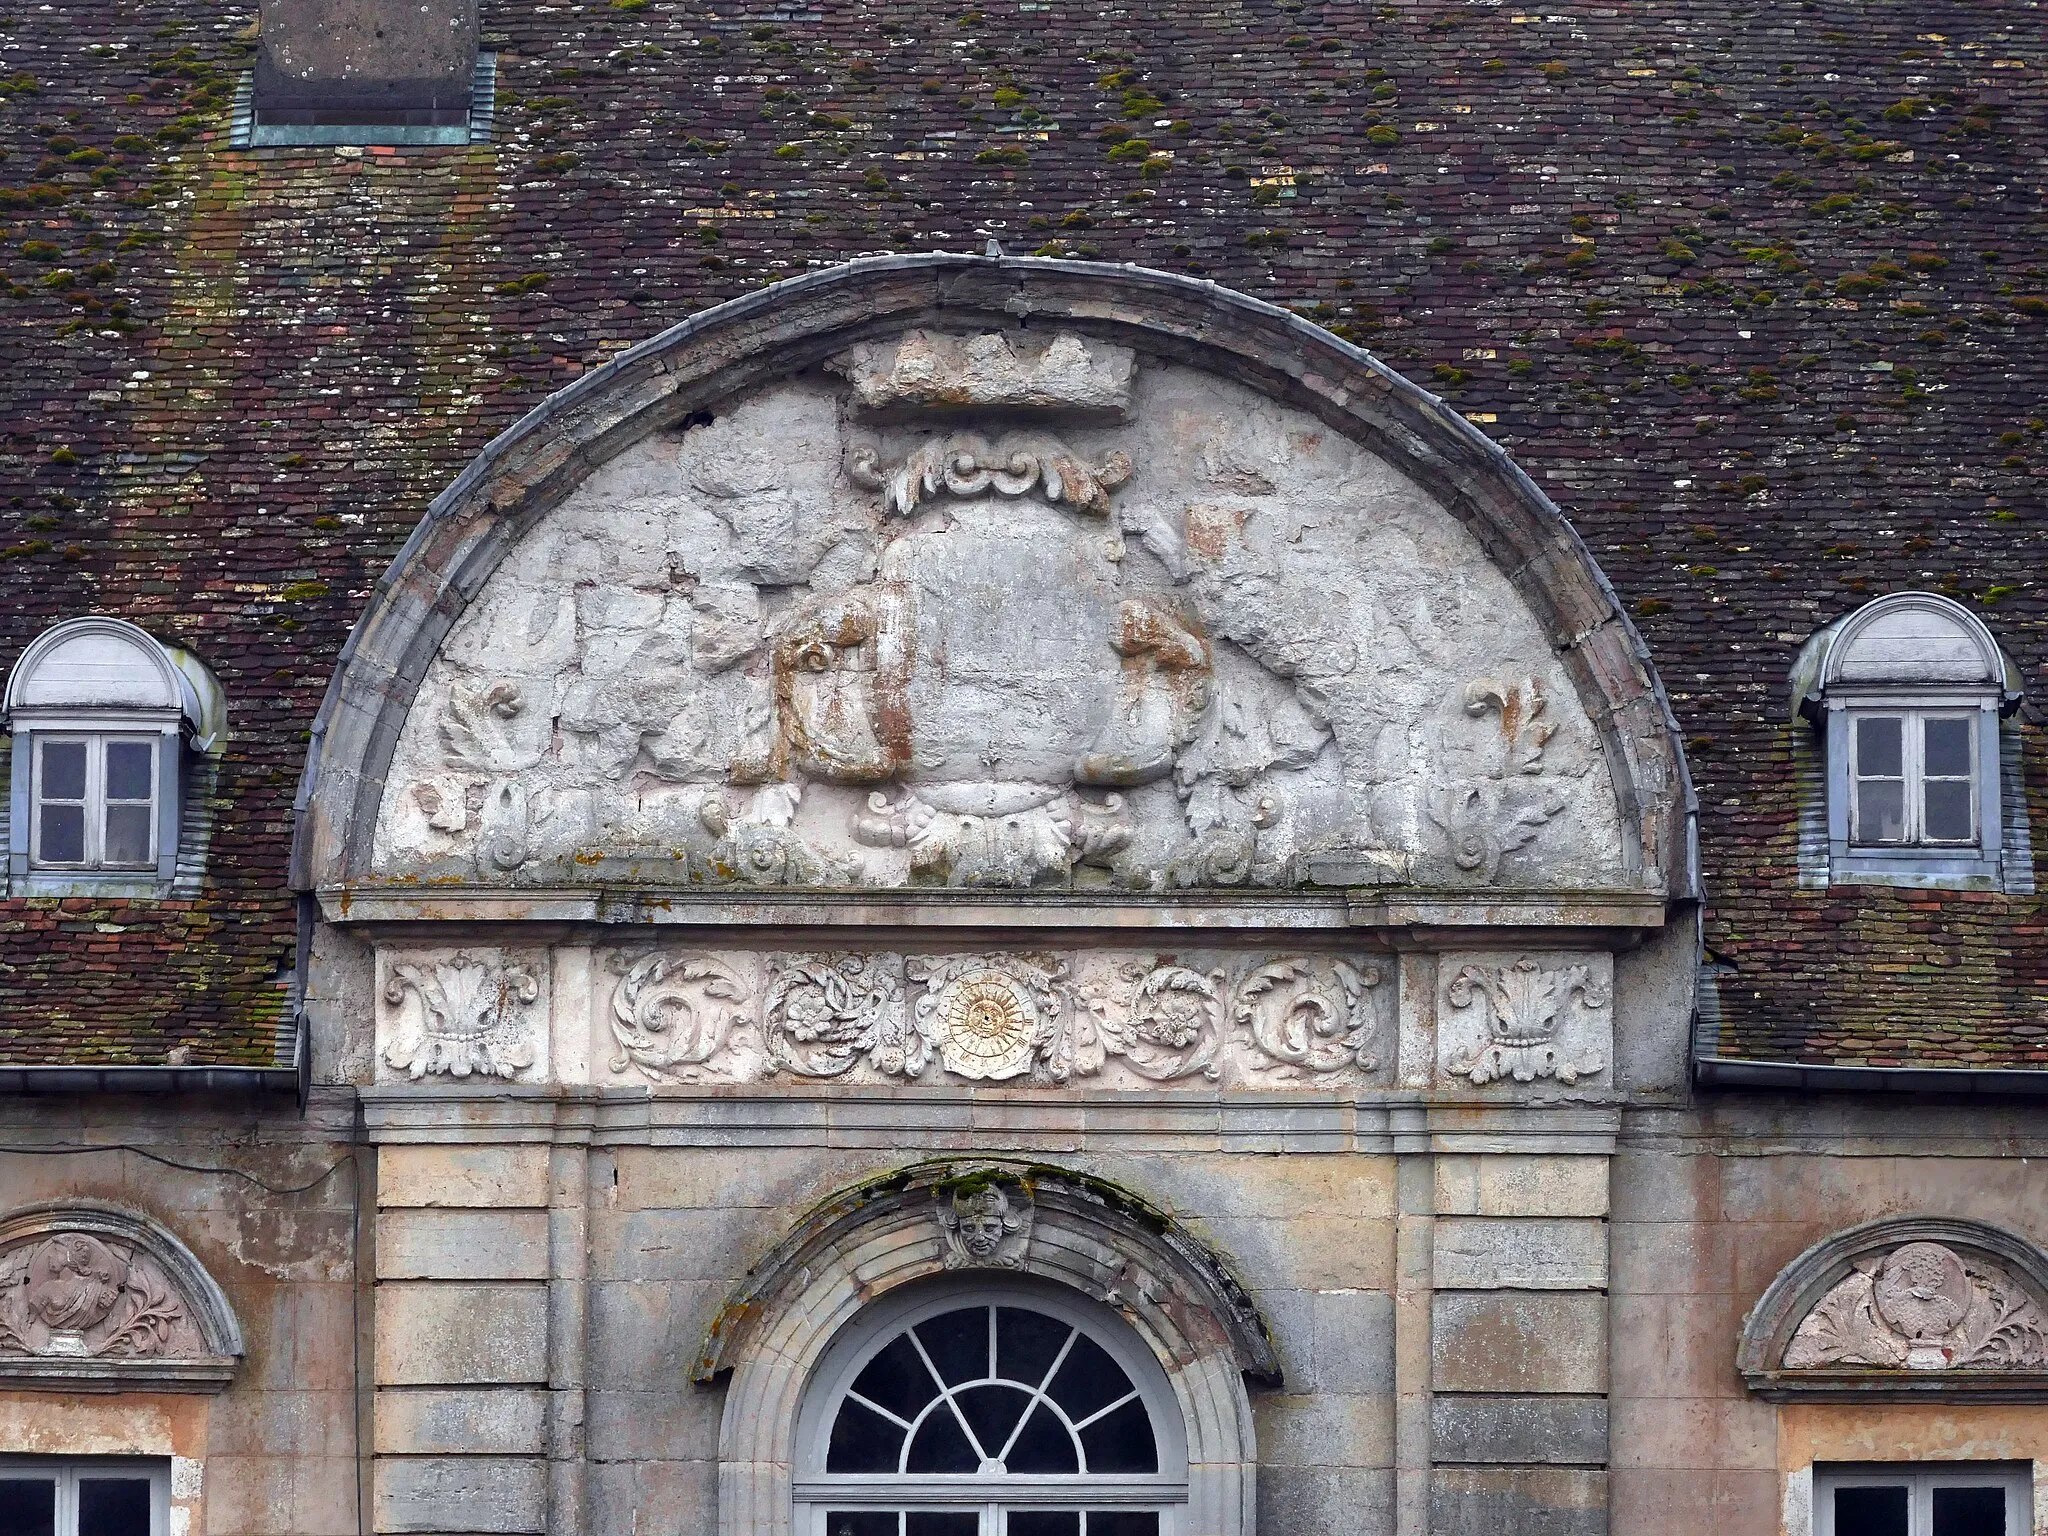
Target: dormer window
<point>366,74</point>
<point>1909,692</point>
<point>105,722</point>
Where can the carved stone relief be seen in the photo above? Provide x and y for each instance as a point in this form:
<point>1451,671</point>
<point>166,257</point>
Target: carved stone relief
<point>1525,1018</point>
<point>1022,1018</point>
<point>985,1223</point>
<point>1923,1307</point>
<point>460,1013</point>
<point>999,612</point>
<point>90,1298</point>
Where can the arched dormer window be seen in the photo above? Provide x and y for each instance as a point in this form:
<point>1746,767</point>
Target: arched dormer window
<point>103,719</point>
<point>1909,691</point>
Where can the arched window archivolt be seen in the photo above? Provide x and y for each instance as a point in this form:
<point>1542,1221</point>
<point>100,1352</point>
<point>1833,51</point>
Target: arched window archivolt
<point>894,1269</point>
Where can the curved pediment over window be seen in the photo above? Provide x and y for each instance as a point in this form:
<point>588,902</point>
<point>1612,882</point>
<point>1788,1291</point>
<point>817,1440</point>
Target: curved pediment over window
<point>96,1299</point>
<point>992,574</point>
<point>1908,1308</point>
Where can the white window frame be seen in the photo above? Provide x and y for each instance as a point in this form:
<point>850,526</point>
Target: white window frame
<point>817,1492</point>
<point>1978,862</point>
<point>66,1475</point>
<point>95,802</point>
<point>1921,1478</point>
<point>1912,777</point>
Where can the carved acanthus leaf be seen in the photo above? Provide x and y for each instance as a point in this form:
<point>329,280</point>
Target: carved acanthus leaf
<point>1525,1006</point>
<point>966,464</point>
<point>480,730</point>
<point>1494,812</point>
<point>469,1017</point>
<point>826,1012</point>
<point>1164,1023</point>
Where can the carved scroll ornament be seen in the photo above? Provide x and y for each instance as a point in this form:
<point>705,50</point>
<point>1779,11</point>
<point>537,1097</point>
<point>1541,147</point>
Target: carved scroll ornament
<point>967,464</point>
<point>825,1013</point>
<point>97,1299</point>
<point>673,1014</point>
<point>1305,1017</point>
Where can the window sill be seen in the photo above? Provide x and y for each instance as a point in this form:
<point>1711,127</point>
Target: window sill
<point>1929,869</point>
<point>137,885</point>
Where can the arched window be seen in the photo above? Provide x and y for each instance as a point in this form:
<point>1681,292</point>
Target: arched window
<point>1909,691</point>
<point>1001,1410</point>
<point>989,1347</point>
<point>103,720</point>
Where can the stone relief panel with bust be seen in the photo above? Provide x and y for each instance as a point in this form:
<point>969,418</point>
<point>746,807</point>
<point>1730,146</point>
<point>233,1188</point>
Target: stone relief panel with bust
<point>1000,612</point>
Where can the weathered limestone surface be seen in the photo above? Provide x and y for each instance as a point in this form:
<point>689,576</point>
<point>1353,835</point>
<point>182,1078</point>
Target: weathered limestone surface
<point>1221,645</point>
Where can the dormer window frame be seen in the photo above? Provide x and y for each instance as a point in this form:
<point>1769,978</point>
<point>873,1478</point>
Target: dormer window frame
<point>173,703</point>
<point>1847,683</point>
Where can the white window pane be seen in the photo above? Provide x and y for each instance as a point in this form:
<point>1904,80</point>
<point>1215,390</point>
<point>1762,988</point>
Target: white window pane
<point>1969,1511</point>
<point>1870,1511</point>
<point>60,839</point>
<point>131,770</point>
<point>1949,811</point>
<point>63,770</point>
<point>1881,811</point>
<point>128,834</point>
<point>28,1506</point>
<point>113,1506</point>
<point>1948,749</point>
<point>1880,747</point>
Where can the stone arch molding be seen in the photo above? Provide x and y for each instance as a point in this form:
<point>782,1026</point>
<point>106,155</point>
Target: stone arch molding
<point>1002,573</point>
<point>998,1219</point>
<point>97,1299</point>
<point>1907,1308</point>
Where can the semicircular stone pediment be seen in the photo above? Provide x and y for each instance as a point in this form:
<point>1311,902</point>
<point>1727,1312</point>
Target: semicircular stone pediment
<point>1002,609</point>
<point>1904,1307</point>
<point>94,1298</point>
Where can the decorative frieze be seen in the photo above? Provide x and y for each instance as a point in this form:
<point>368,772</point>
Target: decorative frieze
<point>1026,1018</point>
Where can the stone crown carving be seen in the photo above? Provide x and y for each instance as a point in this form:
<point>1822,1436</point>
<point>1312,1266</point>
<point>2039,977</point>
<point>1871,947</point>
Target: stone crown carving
<point>1905,1308</point>
<point>1024,371</point>
<point>95,1299</point>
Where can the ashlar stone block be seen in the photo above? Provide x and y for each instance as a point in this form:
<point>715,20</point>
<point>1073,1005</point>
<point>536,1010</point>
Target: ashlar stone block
<point>493,1177</point>
<point>1519,1341</point>
<point>1520,1253</point>
<point>1521,1184</point>
<point>460,1493</point>
<point>442,1334</point>
<point>462,1245</point>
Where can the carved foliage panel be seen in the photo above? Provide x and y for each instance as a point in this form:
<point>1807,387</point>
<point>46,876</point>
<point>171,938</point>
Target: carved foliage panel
<point>1020,1018</point>
<point>999,612</point>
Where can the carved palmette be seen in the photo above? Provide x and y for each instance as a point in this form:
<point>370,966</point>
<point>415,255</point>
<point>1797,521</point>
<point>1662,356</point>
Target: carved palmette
<point>1525,1007</point>
<point>471,1018</point>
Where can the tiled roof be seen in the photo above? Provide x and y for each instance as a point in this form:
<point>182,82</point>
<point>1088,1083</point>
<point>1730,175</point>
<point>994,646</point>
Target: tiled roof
<point>1758,295</point>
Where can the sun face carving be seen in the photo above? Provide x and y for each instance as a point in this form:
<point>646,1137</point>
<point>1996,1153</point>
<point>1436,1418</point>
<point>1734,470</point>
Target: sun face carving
<point>985,1028</point>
